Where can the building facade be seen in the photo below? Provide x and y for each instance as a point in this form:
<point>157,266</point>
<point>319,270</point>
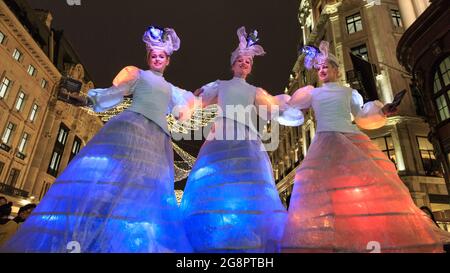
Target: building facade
<point>371,31</point>
<point>424,51</point>
<point>40,134</point>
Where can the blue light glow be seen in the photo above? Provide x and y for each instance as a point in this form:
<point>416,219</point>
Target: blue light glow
<point>230,203</point>
<point>311,53</point>
<point>252,38</point>
<point>116,196</point>
<point>156,33</point>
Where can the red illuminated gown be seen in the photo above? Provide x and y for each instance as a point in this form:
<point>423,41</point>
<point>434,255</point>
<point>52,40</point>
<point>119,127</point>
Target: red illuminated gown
<point>347,196</point>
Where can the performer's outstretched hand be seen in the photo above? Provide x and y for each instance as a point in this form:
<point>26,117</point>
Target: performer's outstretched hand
<point>301,97</point>
<point>75,99</point>
<point>198,92</point>
<point>389,109</point>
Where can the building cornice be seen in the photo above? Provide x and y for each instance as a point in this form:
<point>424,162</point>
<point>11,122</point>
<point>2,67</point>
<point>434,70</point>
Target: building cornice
<point>414,44</point>
<point>27,41</point>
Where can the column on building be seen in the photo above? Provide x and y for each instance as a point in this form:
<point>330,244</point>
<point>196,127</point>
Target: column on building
<point>408,12</point>
<point>43,152</point>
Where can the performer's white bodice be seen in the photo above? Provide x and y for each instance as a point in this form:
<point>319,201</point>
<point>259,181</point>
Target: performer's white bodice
<point>236,99</point>
<point>151,97</point>
<point>333,105</point>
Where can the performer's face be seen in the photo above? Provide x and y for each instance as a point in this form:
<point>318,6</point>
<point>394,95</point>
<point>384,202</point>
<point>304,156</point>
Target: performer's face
<point>327,72</point>
<point>158,60</point>
<point>242,66</point>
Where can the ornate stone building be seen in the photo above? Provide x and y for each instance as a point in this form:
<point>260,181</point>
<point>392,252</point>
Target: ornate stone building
<point>40,134</point>
<point>424,50</point>
<point>371,31</point>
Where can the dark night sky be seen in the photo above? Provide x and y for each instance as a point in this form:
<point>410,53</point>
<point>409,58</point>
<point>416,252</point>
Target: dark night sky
<point>107,36</point>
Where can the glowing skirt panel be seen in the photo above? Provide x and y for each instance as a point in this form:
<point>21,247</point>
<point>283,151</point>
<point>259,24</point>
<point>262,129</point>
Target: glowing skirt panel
<point>230,203</point>
<point>116,195</point>
<point>347,197</point>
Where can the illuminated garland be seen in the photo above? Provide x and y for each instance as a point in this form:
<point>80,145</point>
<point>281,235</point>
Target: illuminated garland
<point>179,195</point>
<point>188,159</point>
<point>200,117</point>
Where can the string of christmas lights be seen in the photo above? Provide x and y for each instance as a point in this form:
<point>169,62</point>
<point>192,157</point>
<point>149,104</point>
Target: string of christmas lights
<point>199,118</point>
<point>179,195</point>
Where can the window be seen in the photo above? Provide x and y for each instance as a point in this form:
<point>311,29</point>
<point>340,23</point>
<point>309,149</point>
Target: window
<point>44,84</point>
<point>75,148</point>
<point>386,145</point>
<point>430,164</point>
<point>33,112</point>
<point>2,37</point>
<point>54,163</point>
<point>31,70</point>
<point>2,165</point>
<point>354,23</point>
<point>444,68</point>
<point>13,177</point>
<point>17,55</point>
<point>7,134</point>
<point>396,18</point>
<point>441,89</point>
<point>58,150</point>
<point>20,101</point>
<point>23,143</point>
<point>62,135</point>
<point>4,86</point>
<point>361,51</point>
<point>442,108</point>
<point>437,83</point>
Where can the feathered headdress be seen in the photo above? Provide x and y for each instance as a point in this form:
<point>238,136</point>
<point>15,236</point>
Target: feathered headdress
<point>315,56</point>
<point>247,45</point>
<point>161,39</point>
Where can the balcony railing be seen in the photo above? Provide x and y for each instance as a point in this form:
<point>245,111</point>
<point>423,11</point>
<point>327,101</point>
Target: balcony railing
<point>10,190</point>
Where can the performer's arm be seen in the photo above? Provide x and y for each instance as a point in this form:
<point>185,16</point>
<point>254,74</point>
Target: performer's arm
<point>208,93</point>
<point>263,98</point>
<point>302,97</point>
<point>183,103</point>
<point>292,115</point>
<point>369,115</point>
<point>102,99</point>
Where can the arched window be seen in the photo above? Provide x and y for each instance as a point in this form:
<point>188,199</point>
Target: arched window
<point>441,89</point>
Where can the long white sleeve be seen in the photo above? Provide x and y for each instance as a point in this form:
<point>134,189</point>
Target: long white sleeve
<point>210,93</point>
<point>273,105</point>
<point>183,103</point>
<point>123,84</point>
<point>369,115</point>
<point>302,97</point>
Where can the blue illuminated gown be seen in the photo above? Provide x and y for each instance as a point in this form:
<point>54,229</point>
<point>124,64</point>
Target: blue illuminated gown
<point>117,194</point>
<point>230,203</point>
